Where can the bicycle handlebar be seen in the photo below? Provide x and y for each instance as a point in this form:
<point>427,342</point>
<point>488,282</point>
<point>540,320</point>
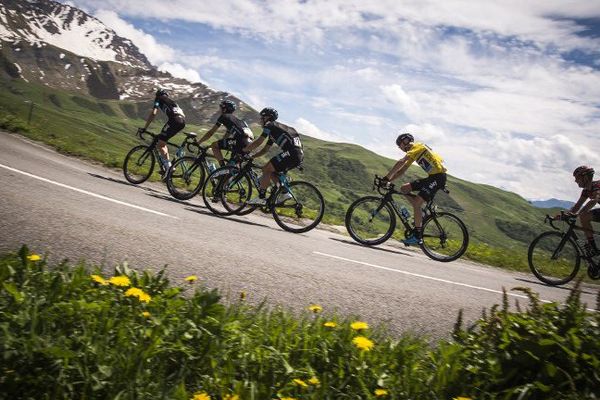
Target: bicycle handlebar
<point>570,219</point>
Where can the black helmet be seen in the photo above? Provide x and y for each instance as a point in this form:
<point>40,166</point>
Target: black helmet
<point>227,106</point>
<point>161,92</point>
<point>403,136</point>
<point>582,171</point>
<point>270,113</point>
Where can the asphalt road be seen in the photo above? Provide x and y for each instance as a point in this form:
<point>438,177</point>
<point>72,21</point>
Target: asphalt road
<point>67,208</point>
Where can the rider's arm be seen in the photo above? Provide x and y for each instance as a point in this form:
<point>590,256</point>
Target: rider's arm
<point>254,144</point>
<point>209,133</point>
<point>150,118</point>
<point>578,205</point>
<point>262,151</point>
<point>399,168</point>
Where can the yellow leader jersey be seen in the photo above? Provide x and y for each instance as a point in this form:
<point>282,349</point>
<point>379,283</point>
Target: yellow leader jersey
<point>430,161</point>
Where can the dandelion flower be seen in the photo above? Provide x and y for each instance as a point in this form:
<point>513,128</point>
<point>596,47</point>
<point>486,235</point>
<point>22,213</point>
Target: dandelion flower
<point>98,279</point>
<point>363,343</point>
<point>139,293</point>
<point>288,398</point>
<point>201,396</point>
<point>121,280</point>
<point>314,381</point>
<point>146,314</point>
<point>231,397</point>
<point>330,324</point>
<point>462,398</point>
<point>315,308</point>
<point>381,392</point>
<point>300,382</point>
<point>34,257</point>
<point>359,325</point>
<point>191,278</point>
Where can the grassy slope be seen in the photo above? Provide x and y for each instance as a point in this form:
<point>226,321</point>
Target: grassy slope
<point>104,131</point>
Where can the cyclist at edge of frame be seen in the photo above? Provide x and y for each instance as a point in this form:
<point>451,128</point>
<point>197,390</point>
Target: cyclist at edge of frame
<point>584,177</point>
<point>174,124</point>
<point>288,140</point>
<point>431,163</point>
<point>237,136</point>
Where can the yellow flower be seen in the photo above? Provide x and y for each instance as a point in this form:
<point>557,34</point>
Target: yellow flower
<point>315,308</point>
<point>139,293</point>
<point>359,325</point>
<point>191,278</point>
<point>314,381</point>
<point>462,398</point>
<point>381,392</point>
<point>34,257</point>
<point>242,295</point>
<point>330,324</point>
<point>98,279</point>
<point>288,398</point>
<point>300,382</point>
<point>231,397</point>
<point>363,343</point>
<point>146,314</point>
<point>201,396</point>
<point>121,280</point>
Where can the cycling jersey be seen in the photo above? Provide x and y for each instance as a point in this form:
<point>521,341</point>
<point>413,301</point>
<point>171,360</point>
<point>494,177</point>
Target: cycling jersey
<point>593,192</point>
<point>286,137</point>
<point>430,161</point>
<point>236,128</point>
<point>168,106</point>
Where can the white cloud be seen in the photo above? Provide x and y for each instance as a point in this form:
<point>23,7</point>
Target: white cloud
<point>179,71</point>
<point>399,97</point>
<point>308,128</point>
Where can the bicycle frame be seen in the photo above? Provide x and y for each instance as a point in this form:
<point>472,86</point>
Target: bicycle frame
<point>187,142</point>
<point>570,233</point>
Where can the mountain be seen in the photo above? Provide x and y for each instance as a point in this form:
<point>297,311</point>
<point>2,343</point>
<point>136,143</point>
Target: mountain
<point>62,47</point>
<point>552,203</point>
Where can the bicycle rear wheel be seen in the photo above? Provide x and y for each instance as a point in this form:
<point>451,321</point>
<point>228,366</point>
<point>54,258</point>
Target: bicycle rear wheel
<point>299,210</point>
<point>236,192</point>
<point>369,221</point>
<point>445,237</point>
<point>139,164</point>
<point>185,178</point>
<point>553,259</point>
<point>213,188</point>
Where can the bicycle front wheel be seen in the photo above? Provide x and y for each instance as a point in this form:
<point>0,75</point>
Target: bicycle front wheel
<point>445,237</point>
<point>553,259</point>
<point>236,192</point>
<point>213,188</point>
<point>300,209</point>
<point>139,164</point>
<point>370,221</point>
<point>185,178</point>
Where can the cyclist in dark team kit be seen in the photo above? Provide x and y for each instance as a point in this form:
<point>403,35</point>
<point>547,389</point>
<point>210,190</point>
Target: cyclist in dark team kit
<point>175,123</point>
<point>237,136</point>
<point>287,139</point>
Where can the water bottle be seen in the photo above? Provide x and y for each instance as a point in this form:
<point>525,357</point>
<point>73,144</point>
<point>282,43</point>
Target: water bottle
<point>211,167</point>
<point>180,152</point>
<point>405,213</point>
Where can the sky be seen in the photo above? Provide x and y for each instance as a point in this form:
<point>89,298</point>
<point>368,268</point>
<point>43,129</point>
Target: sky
<point>507,92</point>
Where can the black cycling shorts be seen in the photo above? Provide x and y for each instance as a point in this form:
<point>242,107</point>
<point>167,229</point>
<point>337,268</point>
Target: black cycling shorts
<point>595,214</point>
<point>427,187</point>
<point>234,145</point>
<point>287,160</point>
<point>171,128</point>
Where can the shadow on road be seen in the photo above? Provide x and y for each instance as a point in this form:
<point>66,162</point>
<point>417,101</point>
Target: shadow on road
<point>122,182</point>
<point>372,247</point>
<point>161,196</point>
<point>567,288</point>
<point>229,218</point>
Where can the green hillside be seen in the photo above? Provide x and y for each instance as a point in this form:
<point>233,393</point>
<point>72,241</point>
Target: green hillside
<point>103,130</point>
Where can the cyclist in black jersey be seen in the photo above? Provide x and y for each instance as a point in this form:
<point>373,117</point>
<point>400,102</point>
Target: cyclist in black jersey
<point>584,177</point>
<point>237,136</point>
<point>287,139</point>
<point>175,123</point>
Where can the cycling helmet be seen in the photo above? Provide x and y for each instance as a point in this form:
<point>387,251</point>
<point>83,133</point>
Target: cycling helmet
<point>227,106</point>
<point>161,92</point>
<point>270,113</point>
<point>582,171</point>
<point>403,136</point>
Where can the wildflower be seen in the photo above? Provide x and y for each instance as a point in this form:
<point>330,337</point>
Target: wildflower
<point>146,314</point>
<point>34,257</point>
<point>315,308</point>
<point>201,396</point>
<point>462,398</point>
<point>381,392</point>
<point>139,293</point>
<point>98,279</point>
<point>359,325</point>
<point>363,343</point>
<point>242,295</point>
<point>330,324</point>
<point>300,382</point>
<point>191,278</point>
<point>121,280</point>
<point>314,381</point>
<point>231,397</point>
<point>288,398</point>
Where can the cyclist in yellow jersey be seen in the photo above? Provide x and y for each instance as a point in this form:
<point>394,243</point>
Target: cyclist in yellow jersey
<point>431,163</point>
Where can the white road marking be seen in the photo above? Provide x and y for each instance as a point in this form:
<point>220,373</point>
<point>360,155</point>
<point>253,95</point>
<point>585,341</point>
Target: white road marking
<point>99,196</point>
<point>429,277</point>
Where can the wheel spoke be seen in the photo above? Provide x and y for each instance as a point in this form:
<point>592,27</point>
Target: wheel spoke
<point>553,259</point>
<point>301,209</point>
<point>370,221</point>
<point>445,237</point>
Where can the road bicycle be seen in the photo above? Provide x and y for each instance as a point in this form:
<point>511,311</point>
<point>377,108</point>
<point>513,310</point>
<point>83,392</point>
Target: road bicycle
<point>371,220</point>
<point>555,256</point>
<point>141,160</point>
<point>296,206</point>
<point>186,176</point>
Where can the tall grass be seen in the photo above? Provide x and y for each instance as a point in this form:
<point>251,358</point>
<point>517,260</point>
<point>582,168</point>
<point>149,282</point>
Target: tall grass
<point>70,332</point>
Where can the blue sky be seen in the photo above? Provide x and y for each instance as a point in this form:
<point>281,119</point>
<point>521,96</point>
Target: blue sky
<point>508,92</point>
